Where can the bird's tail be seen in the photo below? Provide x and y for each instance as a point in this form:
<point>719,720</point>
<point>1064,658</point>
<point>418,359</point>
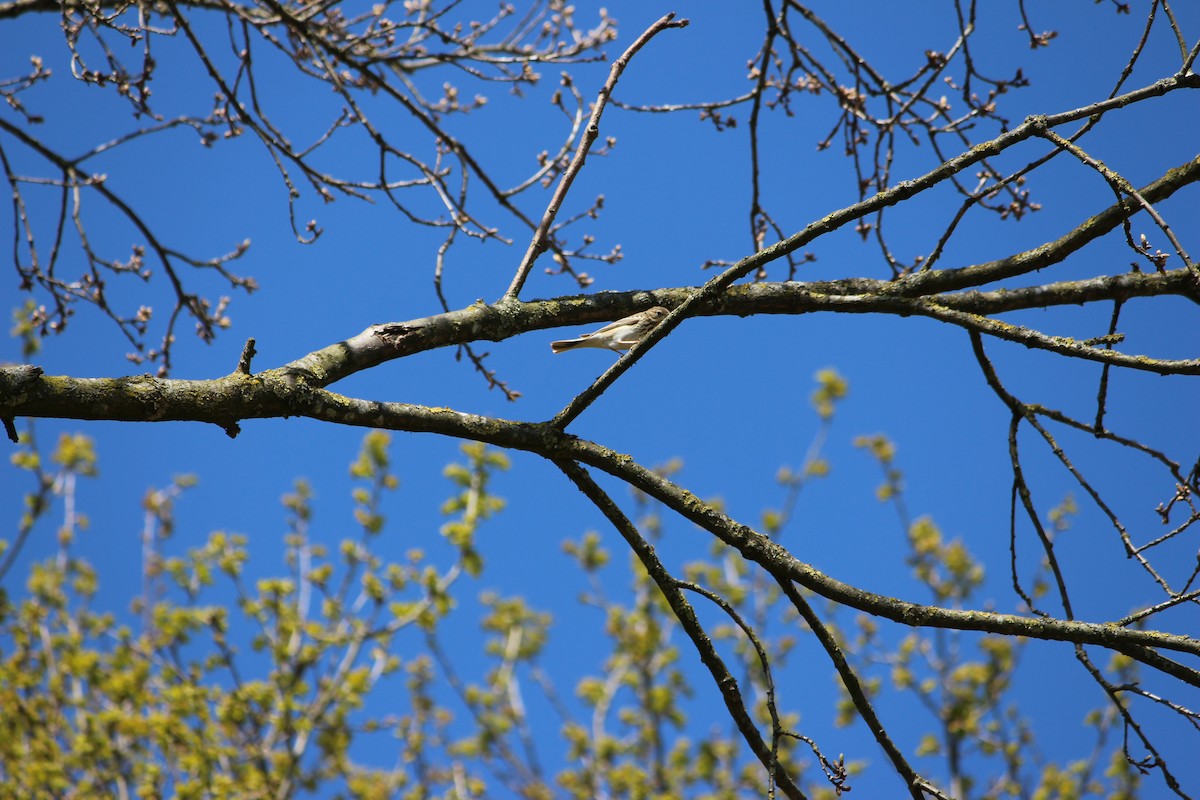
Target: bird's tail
<point>563,345</point>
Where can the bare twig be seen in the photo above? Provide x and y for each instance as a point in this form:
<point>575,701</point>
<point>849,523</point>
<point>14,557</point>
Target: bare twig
<point>539,242</point>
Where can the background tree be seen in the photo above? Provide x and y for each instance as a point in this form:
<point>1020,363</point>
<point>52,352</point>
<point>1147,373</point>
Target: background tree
<point>1044,575</point>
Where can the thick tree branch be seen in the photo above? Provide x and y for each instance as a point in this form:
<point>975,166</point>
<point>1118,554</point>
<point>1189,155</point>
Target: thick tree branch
<point>281,393</point>
<point>507,318</point>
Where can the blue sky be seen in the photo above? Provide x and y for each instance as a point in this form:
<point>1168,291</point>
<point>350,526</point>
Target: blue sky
<point>727,396</point>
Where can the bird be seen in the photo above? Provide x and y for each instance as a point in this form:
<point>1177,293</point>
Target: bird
<point>617,336</point>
